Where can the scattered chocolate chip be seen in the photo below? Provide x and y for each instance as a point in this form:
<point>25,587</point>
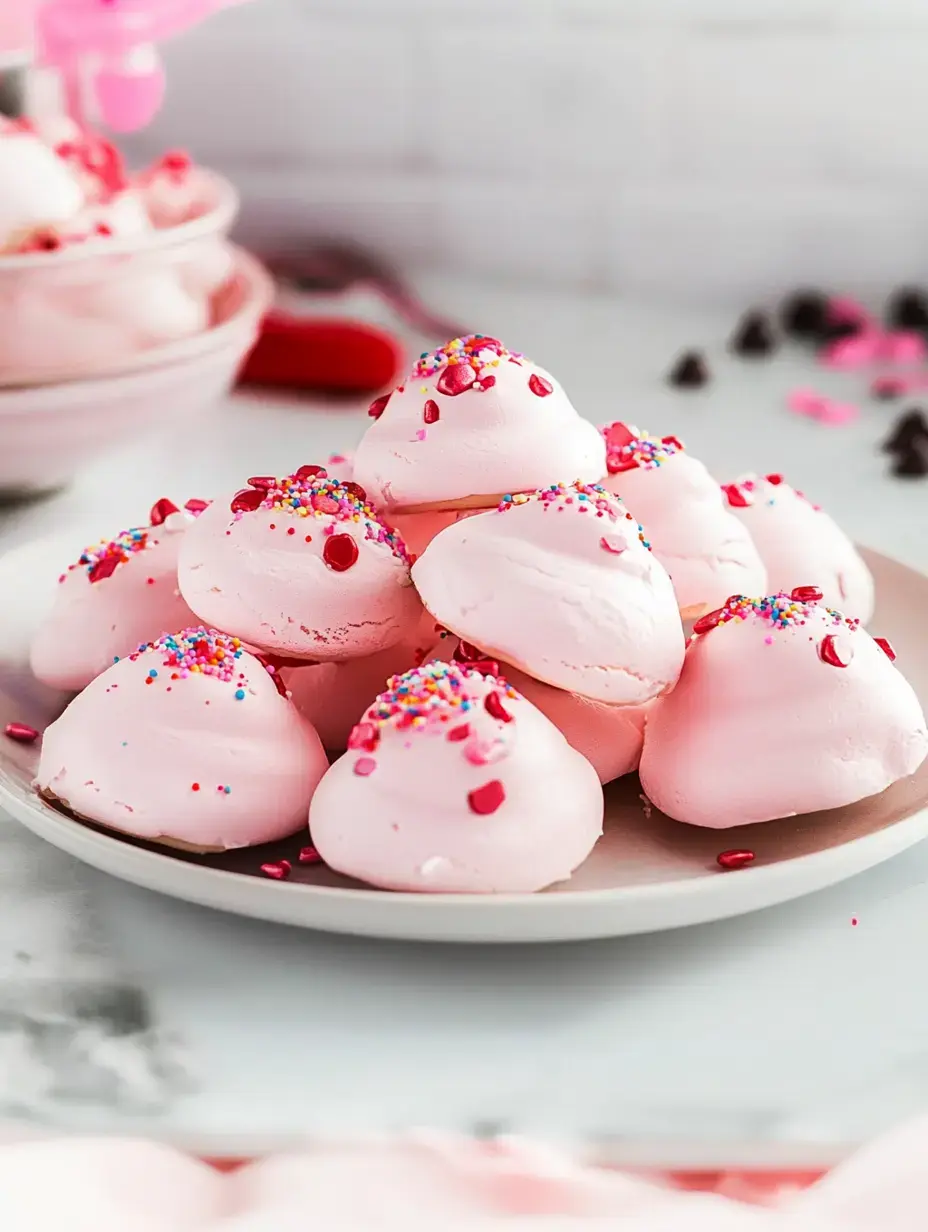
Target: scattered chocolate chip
<point>908,309</point>
<point>911,427</point>
<point>805,315</point>
<point>754,336</point>
<point>690,371</point>
<point>912,463</point>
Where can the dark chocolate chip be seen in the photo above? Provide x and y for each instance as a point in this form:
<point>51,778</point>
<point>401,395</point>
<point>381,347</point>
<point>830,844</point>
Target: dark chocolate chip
<point>912,463</point>
<point>910,428</point>
<point>908,309</point>
<point>690,371</point>
<point>805,315</point>
<point>754,336</point>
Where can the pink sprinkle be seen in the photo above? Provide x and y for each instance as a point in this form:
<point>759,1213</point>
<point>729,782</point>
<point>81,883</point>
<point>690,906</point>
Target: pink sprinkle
<point>615,544</point>
<point>420,434</point>
<point>858,351</point>
<point>365,766</point>
<point>279,870</point>
<point>835,414</point>
<point>805,402</point>
<point>484,752</point>
<point>768,640</point>
<point>309,855</point>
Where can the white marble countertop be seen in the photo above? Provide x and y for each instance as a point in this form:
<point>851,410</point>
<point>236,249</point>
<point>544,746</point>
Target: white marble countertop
<point>787,1026</point>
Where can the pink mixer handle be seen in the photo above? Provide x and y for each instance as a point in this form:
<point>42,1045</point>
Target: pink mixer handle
<point>122,36</point>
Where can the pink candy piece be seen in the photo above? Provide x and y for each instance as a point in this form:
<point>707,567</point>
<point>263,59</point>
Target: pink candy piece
<point>842,309</point>
<point>858,351</point>
<point>817,406</point>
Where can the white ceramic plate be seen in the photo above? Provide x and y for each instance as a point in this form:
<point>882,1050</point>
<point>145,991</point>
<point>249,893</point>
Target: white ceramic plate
<point>647,873</point>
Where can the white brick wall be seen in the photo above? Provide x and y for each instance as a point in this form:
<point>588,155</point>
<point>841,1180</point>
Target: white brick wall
<point>701,149</point>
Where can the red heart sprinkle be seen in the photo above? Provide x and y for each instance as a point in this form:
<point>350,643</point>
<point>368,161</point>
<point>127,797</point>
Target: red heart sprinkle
<point>618,435</point>
<point>279,870</point>
<point>261,481</point>
<point>309,855</point>
<point>340,552</point>
<point>495,708</point>
<point>539,386</point>
<point>775,479</point>
<point>486,799</point>
<point>21,732</point>
<point>486,667</point>
<point>104,568</point>
<point>735,858</point>
<point>378,406</point>
<point>458,733</point>
<point>805,594</point>
<point>618,465</point>
<point>835,653</point>
<point>247,500</point>
<point>672,440</point>
<point>308,472</point>
<point>196,506</point>
<point>160,510</point>
<point>364,736</point>
<point>456,379</point>
<point>364,766</point>
<point>486,382</point>
<point>708,622</point>
<point>430,412</point>
<point>887,648</point>
<point>356,490</point>
<point>735,496</point>
<point>466,653</point>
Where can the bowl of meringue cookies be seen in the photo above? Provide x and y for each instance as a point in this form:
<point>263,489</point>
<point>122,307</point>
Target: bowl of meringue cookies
<point>120,297</point>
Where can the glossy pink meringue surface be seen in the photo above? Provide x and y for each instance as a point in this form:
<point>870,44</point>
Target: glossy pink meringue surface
<point>433,1181</point>
<point>302,566</point>
<point>800,544</point>
<point>561,584</point>
<point>120,594</point>
<point>189,740</point>
<point>705,549</point>
<point>784,707</point>
<point>454,783</point>
<point>471,423</point>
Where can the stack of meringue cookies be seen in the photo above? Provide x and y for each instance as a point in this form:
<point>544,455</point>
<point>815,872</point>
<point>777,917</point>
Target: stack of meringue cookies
<point>481,619</point>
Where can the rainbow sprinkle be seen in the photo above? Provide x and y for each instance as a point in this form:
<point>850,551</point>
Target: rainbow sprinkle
<point>435,693</point>
<point>581,497</point>
<point>647,452</point>
<point>780,611</point>
<point>115,551</point>
<point>197,651</point>
<point>478,350</point>
<point>320,496</point>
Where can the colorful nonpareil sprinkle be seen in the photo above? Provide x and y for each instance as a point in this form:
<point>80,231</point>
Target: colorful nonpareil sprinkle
<point>101,560</point>
<point>196,651</point>
<point>627,449</point>
<point>578,497</point>
<point>435,693</point>
<point>780,611</point>
<point>310,493</point>
<point>479,351</point>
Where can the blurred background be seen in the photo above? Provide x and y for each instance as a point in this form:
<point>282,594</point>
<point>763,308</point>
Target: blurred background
<point>706,151</point>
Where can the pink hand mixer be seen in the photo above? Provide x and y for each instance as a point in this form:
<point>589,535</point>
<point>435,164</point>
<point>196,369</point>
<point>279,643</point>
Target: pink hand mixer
<point>106,51</point>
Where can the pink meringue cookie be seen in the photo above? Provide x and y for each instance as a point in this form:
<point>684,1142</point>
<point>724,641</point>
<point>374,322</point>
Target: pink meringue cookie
<point>36,188</point>
<point>473,422</point>
<point>302,566</point>
<point>800,544</point>
<point>784,707</point>
<point>609,737</point>
<point>454,783</point>
<point>106,1185</point>
<point>707,552</point>
<point>118,595</point>
<point>189,742</point>
<point>561,584</point>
